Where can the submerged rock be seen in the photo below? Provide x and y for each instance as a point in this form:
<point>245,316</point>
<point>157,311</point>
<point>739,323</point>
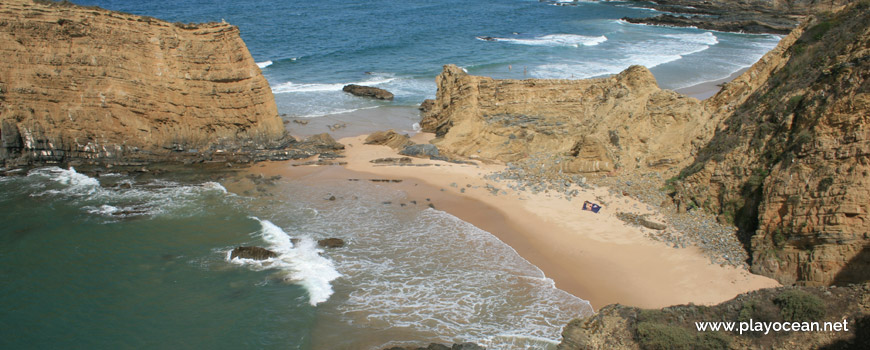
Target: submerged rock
<point>256,253</point>
<point>331,243</point>
<point>368,91</point>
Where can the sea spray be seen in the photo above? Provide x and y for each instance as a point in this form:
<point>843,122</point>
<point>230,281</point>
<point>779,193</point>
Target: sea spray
<point>302,261</point>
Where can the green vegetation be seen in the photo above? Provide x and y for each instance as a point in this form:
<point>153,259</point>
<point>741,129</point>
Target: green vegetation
<point>657,336</point>
<point>825,184</point>
<point>800,306</point>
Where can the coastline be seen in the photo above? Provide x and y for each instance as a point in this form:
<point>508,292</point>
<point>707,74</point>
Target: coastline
<point>593,256</point>
<point>710,88</point>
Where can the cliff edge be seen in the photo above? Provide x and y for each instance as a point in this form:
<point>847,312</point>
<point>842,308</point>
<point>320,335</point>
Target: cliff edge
<point>88,83</point>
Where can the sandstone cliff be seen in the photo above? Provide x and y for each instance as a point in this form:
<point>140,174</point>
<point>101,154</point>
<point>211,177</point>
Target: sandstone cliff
<point>87,83</point>
<point>790,165</point>
<point>617,327</point>
<point>781,151</point>
<point>597,124</point>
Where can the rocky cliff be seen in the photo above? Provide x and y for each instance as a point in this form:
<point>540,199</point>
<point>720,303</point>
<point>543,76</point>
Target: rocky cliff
<point>598,124</point>
<point>617,327</point>
<point>781,151</point>
<point>87,83</point>
<point>790,165</point>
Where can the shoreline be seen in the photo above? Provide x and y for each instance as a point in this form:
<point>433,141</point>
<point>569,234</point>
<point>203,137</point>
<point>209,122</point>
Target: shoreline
<point>707,89</point>
<point>595,257</point>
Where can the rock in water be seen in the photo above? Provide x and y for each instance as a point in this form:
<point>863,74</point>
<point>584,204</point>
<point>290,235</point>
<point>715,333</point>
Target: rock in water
<point>423,150</point>
<point>368,91</point>
<point>331,243</point>
<point>255,253</point>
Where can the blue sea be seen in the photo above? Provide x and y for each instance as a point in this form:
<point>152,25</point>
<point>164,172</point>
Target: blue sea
<point>141,260</point>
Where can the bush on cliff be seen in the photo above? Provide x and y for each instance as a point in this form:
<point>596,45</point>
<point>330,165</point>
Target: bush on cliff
<point>658,336</point>
<point>800,306</point>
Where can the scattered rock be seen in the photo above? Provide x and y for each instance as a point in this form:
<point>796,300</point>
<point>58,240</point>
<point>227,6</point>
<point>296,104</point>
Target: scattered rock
<point>389,138</point>
<point>255,253</point>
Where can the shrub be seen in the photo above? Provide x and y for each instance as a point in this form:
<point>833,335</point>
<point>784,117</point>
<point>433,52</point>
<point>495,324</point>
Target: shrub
<point>655,336</point>
<point>825,184</point>
<point>799,306</point>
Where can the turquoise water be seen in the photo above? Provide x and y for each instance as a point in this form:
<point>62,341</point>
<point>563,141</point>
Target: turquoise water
<point>310,49</point>
<point>124,261</point>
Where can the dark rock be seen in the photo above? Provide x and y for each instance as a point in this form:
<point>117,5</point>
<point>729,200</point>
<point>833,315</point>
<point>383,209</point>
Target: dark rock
<point>368,91</point>
<point>322,142</point>
<point>424,150</point>
<point>331,243</point>
<point>467,346</point>
<point>256,253</point>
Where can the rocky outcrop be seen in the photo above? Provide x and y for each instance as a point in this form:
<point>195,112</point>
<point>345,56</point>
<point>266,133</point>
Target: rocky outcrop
<point>368,91</point>
<point>758,16</point>
<point>255,253</point>
<point>87,83</point>
<point>597,125</point>
<point>620,327</point>
<point>791,165</point>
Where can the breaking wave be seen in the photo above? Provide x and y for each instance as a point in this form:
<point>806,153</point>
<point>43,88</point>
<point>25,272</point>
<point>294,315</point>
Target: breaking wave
<point>301,261</point>
<point>572,40</point>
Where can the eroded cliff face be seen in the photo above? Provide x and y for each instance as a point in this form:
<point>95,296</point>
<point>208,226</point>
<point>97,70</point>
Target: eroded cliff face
<point>599,125</point>
<point>87,83</point>
<point>791,165</point>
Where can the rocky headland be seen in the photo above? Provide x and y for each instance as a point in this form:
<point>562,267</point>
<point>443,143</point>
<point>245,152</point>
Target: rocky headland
<point>84,84</point>
<point>758,16</point>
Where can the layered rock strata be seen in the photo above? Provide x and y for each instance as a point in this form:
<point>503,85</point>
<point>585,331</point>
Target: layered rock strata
<point>87,83</point>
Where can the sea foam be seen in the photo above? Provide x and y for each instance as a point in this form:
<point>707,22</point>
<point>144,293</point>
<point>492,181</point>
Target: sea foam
<point>302,262</point>
<point>572,40</point>
<point>264,64</point>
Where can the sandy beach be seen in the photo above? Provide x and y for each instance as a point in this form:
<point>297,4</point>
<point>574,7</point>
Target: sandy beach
<point>593,256</point>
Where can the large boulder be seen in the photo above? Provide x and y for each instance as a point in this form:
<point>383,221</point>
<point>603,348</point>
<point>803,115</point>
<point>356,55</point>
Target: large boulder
<point>368,91</point>
<point>255,253</point>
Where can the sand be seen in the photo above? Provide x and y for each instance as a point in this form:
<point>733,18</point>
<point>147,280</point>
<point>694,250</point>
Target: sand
<point>707,89</point>
<point>593,256</point>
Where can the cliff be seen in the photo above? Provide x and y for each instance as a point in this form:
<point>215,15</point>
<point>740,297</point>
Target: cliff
<point>598,124</point>
<point>617,327</point>
<point>790,165</point>
<point>781,151</point>
<point>87,83</point>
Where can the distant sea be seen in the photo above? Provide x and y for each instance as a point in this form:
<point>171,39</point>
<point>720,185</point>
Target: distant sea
<point>120,261</point>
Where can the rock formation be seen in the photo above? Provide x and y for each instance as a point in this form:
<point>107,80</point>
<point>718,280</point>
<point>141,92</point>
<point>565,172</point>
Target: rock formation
<point>255,253</point>
<point>87,83</point>
<point>623,121</point>
<point>757,16</point>
<point>791,165</point>
<point>389,138</point>
<point>620,327</point>
<point>368,91</point>
<point>781,151</point>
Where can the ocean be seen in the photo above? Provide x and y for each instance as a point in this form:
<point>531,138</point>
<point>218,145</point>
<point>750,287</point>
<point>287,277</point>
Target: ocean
<point>141,261</point>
